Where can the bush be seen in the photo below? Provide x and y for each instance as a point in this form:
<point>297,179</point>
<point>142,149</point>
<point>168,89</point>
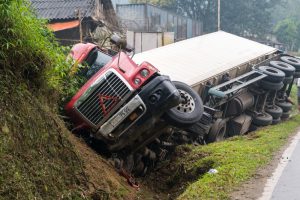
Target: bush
<point>29,50</point>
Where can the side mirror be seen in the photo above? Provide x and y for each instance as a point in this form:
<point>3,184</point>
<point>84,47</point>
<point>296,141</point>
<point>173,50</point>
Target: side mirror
<point>115,39</point>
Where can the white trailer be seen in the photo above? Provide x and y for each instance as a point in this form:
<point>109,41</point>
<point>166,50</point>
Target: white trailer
<point>240,81</point>
<point>200,59</point>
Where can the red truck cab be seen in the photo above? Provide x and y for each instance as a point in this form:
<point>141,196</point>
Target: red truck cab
<point>121,100</point>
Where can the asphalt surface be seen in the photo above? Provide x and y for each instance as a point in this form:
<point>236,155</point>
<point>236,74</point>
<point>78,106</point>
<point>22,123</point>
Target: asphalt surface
<point>288,185</point>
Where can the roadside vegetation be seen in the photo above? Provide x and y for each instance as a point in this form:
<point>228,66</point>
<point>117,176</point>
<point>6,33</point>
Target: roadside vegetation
<point>294,98</point>
<point>39,158</point>
<point>236,160</point>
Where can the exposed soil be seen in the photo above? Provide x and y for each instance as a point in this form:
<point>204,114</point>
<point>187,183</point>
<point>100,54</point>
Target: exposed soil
<point>170,178</point>
<point>254,188</point>
<point>102,177</point>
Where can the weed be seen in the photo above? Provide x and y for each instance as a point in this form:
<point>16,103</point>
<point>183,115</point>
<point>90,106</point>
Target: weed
<point>236,160</point>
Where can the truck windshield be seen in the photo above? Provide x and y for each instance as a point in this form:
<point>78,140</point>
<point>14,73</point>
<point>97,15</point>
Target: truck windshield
<point>96,61</point>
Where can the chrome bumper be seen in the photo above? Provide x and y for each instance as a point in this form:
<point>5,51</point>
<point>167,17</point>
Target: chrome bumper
<point>108,127</point>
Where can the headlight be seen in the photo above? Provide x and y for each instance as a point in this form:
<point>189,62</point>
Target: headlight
<point>137,81</point>
<point>145,73</point>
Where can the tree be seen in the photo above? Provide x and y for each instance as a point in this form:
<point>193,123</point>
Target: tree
<point>248,18</point>
<point>245,18</point>
<point>287,32</point>
<point>286,18</point>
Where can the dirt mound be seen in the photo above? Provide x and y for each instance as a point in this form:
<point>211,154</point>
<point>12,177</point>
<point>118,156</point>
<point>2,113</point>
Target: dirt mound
<point>102,178</point>
<point>40,159</point>
<point>173,176</point>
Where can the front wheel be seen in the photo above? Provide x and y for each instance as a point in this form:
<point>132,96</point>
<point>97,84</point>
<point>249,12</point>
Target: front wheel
<point>189,111</point>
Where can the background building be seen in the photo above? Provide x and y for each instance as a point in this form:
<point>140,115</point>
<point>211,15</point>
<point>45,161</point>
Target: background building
<point>150,18</point>
<point>74,21</point>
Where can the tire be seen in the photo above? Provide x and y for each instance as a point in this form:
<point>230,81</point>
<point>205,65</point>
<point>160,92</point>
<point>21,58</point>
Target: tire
<point>252,128</point>
<point>188,112</point>
<point>286,106</point>
<point>274,111</point>
<point>276,121</point>
<point>274,75</point>
<point>262,119</point>
<point>292,61</point>
<point>297,75</point>
<point>288,80</point>
<point>285,115</point>
<point>217,131</point>
<point>288,69</point>
<point>267,85</point>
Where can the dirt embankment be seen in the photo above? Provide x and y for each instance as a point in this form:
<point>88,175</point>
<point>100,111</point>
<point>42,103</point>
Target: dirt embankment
<point>101,176</point>
<point>40,158</point>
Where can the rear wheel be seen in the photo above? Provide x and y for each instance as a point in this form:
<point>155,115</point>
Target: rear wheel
<point>189,111</point>
<point>292,61</point>
<point>217,131</point>
<point>274,75</point>
<point>297,75</point>
<point>285,115</point>
<point>286,106</point>
<point>262,119</point>
<point>288,80</point>
<point>276,121</point>
<point>288,69</point>
<point>267,85</point>
<point>274,111</point>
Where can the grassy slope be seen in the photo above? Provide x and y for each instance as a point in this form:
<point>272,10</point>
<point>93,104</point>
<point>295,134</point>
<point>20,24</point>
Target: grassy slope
<point>236,160</point>
<point>39,159</point>
<point>36,160</point>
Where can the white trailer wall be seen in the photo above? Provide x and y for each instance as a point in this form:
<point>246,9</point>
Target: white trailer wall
<point>196,60</point>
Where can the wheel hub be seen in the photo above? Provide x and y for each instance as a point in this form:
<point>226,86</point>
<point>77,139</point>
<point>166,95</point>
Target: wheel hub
<point>187,104</point>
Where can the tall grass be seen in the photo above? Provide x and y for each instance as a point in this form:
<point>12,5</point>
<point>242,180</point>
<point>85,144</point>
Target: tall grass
<point>29,50</point>
<point>36,159</point>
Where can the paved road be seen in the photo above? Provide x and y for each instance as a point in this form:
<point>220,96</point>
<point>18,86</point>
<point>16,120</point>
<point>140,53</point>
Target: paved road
<point>288,185</point>
<point>285,181</point>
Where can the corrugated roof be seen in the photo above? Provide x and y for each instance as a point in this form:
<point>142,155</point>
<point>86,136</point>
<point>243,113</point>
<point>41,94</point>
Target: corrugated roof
<point>62,9</point>
<point>195,60</point>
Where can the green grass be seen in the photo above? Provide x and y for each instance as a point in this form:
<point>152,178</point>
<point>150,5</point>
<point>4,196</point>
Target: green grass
<point>294,98</point>
<point>36,159</point>
<point>236,160</point>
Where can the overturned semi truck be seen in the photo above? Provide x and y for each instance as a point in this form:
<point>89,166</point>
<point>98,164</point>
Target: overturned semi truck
<point>199,90</point>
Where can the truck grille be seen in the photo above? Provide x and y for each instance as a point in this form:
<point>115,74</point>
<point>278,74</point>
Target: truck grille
<point>110,91</point>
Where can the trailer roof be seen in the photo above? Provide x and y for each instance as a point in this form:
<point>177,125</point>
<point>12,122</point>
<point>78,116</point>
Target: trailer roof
<point>195,60</point>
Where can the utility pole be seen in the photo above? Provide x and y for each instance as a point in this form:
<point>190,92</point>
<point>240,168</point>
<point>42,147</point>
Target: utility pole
<point>219,15</point>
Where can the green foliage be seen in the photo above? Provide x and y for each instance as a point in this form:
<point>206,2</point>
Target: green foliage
<point>248,18</point>
<point>36,159</point>
<point>236,160</point>
<point>29,50</point>
<point>286,18</point>
<point>245,18</point>
<point>286,9</point>
<point>287,32</point>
